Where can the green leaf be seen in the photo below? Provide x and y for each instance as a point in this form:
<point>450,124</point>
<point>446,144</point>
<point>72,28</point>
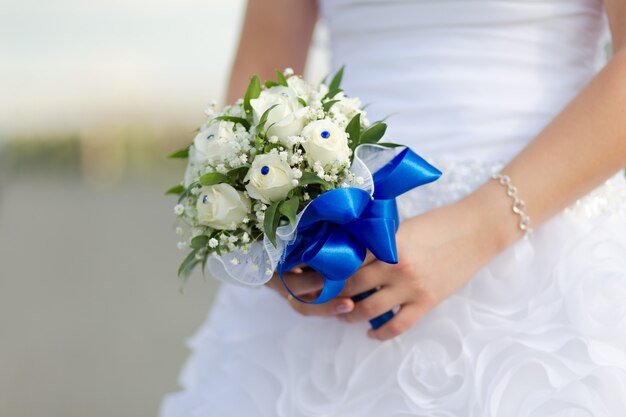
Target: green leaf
<point>354,130</point>
<point>253,91</point>
<point>186,192</point>
<point>301,101</point>
<point>213,178</point>
<point>332,93</point>
<point>374,133</point>
<point>390,144</point>
<point>336,81</point>
<point>204,259</point>
<point>326,106</point>
<point>180,154</point>
<point>270,84</point>
<point>311,178</point>
<point>188,264</point>
<point>199,242</point>
<point>270,222</point>
<point>281,79</point>
<point>289,208</point>
<point>178,189</point>
<point>234,119</point>
<point>264,117</point>
<point>238,174</point>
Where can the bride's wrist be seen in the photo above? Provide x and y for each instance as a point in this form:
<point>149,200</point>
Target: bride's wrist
<point>492,208</point>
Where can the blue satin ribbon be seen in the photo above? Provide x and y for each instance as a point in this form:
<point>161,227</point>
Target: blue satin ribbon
<point>339,226</point>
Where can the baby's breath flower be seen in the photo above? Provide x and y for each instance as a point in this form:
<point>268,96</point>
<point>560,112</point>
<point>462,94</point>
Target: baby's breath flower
<point>243,158</point>
<point>306,196</point>
<point>234,261</point>
<point>245,238</point>
<point>288,72</point>
<point>179,209</point>
<point>359,180</point>
<point>273,139</point>
<point>297,174</point>
<point>294,183</point>
<point>221,169</point>
<point>213,242</point>
<point>199,256</point>
<point>210,109</point>
<point>181,245</point>
<point>246,220</point>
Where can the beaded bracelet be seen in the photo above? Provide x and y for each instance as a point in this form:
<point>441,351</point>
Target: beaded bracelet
<point>519,206</point>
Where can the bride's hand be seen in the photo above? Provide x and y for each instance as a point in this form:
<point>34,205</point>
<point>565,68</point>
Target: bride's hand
<point>438,251</point>
<point>306,284</point>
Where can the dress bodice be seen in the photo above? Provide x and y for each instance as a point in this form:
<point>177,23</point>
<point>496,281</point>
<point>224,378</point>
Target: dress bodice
<point>466,78</point>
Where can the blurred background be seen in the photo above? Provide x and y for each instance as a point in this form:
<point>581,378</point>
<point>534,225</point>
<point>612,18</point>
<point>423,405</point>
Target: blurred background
<point>93,95</point>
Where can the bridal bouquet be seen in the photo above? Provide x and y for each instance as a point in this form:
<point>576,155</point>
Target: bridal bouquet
<point>291,173</point>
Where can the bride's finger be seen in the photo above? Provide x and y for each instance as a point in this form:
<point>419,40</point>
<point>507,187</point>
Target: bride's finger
<point>373,306</point>
<point>401,321</point>
<point>372,276</point>
<point>301,283</point>
<point>333,307</point>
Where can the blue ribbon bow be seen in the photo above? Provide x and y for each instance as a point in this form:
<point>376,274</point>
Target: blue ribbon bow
<point>338,227</point>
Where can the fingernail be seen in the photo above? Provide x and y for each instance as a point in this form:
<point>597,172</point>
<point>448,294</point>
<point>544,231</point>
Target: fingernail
<point>343,308</point>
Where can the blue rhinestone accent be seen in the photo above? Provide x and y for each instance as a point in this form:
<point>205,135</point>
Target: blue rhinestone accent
<point>265,170</point>
<point>325,134</point>
<point>204,199</point>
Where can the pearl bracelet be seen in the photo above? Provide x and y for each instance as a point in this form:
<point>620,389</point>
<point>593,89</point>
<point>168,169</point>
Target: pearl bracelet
<point>519,206</point>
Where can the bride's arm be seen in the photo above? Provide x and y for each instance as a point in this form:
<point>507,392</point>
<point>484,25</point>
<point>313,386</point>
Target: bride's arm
<point>578,150</point>
<point>276,34</point>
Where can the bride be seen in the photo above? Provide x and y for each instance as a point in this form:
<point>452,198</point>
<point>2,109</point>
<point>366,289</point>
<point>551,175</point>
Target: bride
<point>511,285</point>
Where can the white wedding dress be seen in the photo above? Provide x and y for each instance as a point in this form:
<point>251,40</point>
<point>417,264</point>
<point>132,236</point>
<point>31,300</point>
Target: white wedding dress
<point>540,331</point>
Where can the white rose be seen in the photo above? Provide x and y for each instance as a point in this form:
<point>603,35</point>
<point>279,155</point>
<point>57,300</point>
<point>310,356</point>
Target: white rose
<point>325,142</point>
<point>299,86</point>
<point>287,118</point>
<point>344,110</point>
<point>214,143</point>
<point>220,206</point>
<point>269,179</point>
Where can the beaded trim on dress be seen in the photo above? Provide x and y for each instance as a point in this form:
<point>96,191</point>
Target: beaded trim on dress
<point>462,177</point>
